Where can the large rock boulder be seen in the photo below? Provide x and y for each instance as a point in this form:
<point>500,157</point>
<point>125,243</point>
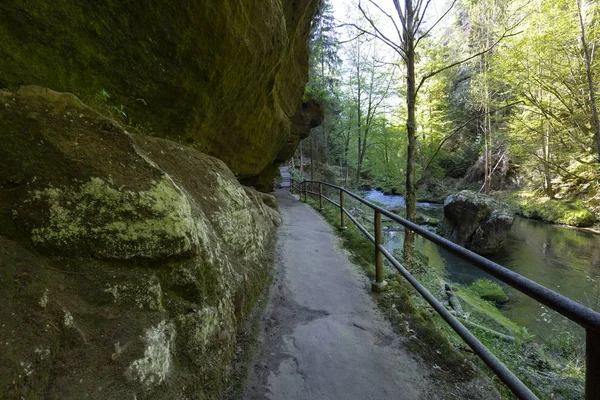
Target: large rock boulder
<point>128,263</point>
<point>226,77</point>
<point>476,222</point>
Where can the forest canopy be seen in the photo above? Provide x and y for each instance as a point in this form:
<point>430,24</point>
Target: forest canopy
<point>503,93</point>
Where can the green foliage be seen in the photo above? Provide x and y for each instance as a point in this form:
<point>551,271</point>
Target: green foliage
<point>489,290</point>
<point>101,102</point>
<point>572,212</point>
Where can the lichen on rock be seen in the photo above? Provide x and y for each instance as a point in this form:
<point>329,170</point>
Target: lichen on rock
<point>145,294</point>
<point>126,256</point>
<point>155,366</point>
<point>115,223</point>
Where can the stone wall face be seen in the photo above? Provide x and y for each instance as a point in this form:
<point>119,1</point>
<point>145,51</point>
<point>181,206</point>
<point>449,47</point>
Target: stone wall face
<point>225,77</point>
<point>127,262</point>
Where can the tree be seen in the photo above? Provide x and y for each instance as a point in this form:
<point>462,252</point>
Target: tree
<point>553,132</point>
<point>369,86</point>
<point>588,57</point>
<point>323,79</point>
<point>410,32</point>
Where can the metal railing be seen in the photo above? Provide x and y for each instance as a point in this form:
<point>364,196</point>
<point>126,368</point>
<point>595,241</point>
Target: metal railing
<point>581,315</point>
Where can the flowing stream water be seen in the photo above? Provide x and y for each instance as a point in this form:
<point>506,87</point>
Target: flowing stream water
<point>563,259</point>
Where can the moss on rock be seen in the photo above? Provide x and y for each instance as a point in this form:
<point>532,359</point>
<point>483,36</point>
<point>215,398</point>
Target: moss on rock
<point>566,212</point>
<point>132,260</point>
<point>113,223</point>
<point>489,290</point>
<point>225,77</point>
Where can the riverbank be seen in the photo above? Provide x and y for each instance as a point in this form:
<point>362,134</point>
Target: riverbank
<point>564,212</point>
<point>571,207</point>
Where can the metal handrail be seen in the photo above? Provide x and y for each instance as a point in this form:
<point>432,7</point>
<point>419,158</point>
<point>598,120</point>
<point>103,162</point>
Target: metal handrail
<point>581,315</point>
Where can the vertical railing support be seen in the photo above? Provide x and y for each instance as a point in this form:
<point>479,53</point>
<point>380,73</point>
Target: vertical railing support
<point>592,365</point>
<point>378,284</point>
<point>292,186</point>
<point>320,196</point>
<point>304,189</point>
<point>342,225</point>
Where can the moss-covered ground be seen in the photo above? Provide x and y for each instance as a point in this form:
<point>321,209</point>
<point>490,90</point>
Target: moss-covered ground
<point>568,212</point>
<point>552,368</point>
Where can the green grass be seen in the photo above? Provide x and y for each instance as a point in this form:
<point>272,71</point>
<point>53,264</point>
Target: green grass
<point>567,212</point>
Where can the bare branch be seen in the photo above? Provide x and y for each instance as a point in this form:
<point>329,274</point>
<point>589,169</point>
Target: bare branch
<point>472,56</point>
<point>455,131</point>
<point>380,35</point>
<point>435,24</point>
<point>387,15</point>
<point>400,14</point>
<point>420,15</point>
<point>381,62</point>
<point>386,41</point>
<point>350,40</point>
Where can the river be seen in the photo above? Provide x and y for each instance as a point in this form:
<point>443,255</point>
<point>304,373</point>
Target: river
<point>563,259</point>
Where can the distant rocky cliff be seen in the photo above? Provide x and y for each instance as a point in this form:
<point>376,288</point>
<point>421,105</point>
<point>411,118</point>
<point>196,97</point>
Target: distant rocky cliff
<point>127,263</point>
<point>225,77</point>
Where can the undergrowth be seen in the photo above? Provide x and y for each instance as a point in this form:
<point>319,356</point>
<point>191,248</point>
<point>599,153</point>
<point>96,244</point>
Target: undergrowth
<point>567,212</point>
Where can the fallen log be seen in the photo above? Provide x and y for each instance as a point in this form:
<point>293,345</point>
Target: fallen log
<point>499,335</point>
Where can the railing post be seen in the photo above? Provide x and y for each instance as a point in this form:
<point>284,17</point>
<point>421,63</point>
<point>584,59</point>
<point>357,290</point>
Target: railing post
<point>320,196</point>
<point>291,185</point>
<point>304,188</point>
<point>342,225</point>
<point>592,365</point>
<point>378,284</point>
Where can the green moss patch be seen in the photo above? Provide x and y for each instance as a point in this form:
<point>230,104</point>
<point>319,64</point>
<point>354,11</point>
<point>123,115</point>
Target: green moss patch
<point>567,212</point>
<point>489,290</point>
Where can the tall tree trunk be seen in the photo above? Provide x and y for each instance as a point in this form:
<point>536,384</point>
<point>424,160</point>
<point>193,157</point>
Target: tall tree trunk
<point>545,132</point>
<point>346,150</point>
<point>312,156</point>
<point>547,172</point>
<point>301,162</point>
<point>411,124</point>
<point>588,69</point>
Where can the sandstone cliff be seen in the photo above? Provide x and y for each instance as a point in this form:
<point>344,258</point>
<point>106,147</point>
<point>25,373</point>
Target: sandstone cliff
<point>127,262</point>
<point>225,77</point>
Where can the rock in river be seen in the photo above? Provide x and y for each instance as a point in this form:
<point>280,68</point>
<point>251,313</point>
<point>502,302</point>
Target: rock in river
<point>476,222</point>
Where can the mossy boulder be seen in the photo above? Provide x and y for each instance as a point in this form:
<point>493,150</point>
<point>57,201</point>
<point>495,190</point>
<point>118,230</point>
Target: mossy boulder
<point>225,77</point>
<point>476,222</point>
<point>128,262</point>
